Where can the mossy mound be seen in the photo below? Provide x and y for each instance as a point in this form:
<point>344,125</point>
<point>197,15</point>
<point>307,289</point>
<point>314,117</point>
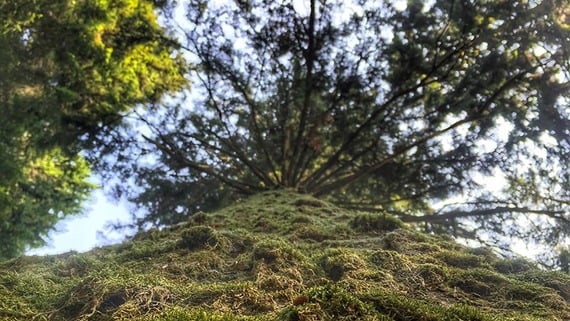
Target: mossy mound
<point>282,256</point>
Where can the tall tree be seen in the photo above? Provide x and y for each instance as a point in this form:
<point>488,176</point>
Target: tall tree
<point>373,106</point>
<point>70,70</point>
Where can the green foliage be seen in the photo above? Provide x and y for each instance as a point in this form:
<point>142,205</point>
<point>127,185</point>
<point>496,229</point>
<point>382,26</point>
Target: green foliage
<point>50,187</point>
<point>70,72</point>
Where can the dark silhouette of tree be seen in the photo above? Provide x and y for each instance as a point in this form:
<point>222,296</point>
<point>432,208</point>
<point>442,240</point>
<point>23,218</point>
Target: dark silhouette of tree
<point>371,106</point>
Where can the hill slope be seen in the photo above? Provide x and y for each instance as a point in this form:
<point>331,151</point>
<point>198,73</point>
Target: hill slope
<point>282,256</point>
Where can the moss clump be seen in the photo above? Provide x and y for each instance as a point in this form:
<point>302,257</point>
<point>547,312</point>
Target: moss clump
<point>198,237</point>
<point>177,314</point>
<point>513,266</point>
<point>459,259</point>
<point>276,252</point>
<point>199,218</point>
<point>335,263</point>
<point>312,233</point>
<point>400,307</point>
<point>558,281</point>
<point>331,302</point>
<point>432,275</point>
<point>375,223</point>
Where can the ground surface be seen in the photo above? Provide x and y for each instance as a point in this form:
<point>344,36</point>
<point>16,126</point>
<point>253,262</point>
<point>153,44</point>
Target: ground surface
<point>282,256</point>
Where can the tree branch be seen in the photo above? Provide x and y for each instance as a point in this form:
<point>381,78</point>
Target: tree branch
<point>439,218</point>
<point>202,168</point>
<point>351,137</point>
<point>236,150</point>
<point>309,61</point>
<point>349,179</point>
<point>241,88</point>
<point>481,111</point>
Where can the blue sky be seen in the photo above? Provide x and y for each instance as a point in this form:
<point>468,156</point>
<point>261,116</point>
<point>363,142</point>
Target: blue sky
<point>80,233</point>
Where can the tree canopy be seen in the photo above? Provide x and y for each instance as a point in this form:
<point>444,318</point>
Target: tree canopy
<point>70,72</point>
<point>371,105</point>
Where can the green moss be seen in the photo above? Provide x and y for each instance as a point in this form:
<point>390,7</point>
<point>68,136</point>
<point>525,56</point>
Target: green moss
<point>337,262</point>
<point>276,252</point>
<point>513,266</point>
<point>432,275</point>
<point>401,308</point>
<point>177,314</point>
<point>253,260</point>
<point>479,282</point>
<point>558,281</point>
<point>332,302</point>
<point>198,237</point>
<point>459,259</point>
<point>405,241</point>
<point>375,223</point>
<point>312,233</point>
